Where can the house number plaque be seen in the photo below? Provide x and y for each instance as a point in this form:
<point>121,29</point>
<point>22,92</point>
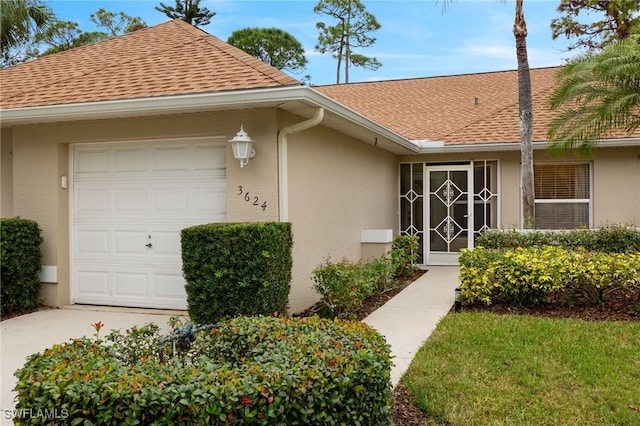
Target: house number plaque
<point>251,199</point>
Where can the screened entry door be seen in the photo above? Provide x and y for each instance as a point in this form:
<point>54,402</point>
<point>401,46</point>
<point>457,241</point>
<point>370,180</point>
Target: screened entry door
<point>449,213</point>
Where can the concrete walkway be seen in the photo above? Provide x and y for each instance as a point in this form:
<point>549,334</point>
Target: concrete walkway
<point>406,321</point>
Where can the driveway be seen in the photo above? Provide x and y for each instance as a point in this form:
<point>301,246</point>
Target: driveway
<point>31,333</point>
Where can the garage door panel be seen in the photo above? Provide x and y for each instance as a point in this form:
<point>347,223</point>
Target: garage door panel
<point>131,243</point>
<point>91,242</point>
<point>91,162</point>
<point>92,283</point>
<point>130,160</point>
<point>209,199</point>
<point>169,285</point>
<point>131,284</point>
<point>170,200</point>
<point>91,202</point>
<point>167,244</point>
<point>130,202</point>
<point>170,159</point>
<point>209,158</point>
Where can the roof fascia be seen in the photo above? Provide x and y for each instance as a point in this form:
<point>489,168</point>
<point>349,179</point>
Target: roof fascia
<point>515,146</point>
<point>237,99</point>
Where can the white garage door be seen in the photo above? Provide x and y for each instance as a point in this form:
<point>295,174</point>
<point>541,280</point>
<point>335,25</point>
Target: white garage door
<point>130,201</point>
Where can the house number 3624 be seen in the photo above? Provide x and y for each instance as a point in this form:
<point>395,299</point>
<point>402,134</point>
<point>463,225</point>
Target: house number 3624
<point>252,199</point>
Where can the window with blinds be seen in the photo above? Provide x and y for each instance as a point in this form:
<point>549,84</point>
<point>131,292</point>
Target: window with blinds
<point>563,195</point>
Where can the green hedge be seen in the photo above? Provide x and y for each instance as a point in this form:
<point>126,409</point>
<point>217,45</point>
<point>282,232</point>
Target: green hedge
<point>246,370</point>
<point>343,286</point>
<point>236,269</point>
<point>528,275</point>
<point>20,242</point>
<point>609,239</point>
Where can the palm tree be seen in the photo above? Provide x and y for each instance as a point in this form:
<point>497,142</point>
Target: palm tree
<point>19,19</point>
<point>597,93</point>
<point>525,108</point>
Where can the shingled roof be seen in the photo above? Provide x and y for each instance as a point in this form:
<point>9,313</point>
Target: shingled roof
<point>173,58</point>
<point>459,109</point>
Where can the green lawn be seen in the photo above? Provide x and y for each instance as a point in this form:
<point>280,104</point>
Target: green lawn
<point>488,369</point>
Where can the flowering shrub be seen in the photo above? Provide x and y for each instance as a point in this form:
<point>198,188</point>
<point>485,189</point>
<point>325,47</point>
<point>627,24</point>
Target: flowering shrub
<point>247,370</point>
<point>526,276</point>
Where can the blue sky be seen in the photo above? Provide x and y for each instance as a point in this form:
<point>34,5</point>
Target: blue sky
<point>417,38</point>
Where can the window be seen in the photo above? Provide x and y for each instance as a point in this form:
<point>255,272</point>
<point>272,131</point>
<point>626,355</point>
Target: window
<point>563,195</point>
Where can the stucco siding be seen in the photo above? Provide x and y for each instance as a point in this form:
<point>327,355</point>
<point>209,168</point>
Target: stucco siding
<point>6,175</point>
<point>41,158</point>
<point>337,187</point>
<point>616,187</point>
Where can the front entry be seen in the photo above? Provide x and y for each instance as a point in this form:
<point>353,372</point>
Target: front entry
<point>448,206</point>
<point>449,213</point>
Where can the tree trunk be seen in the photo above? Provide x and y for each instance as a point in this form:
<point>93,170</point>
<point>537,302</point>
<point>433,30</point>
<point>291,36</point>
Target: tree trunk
<point>525,108</point>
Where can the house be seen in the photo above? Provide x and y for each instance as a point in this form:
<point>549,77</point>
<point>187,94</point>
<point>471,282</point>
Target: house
<point>114,147</point>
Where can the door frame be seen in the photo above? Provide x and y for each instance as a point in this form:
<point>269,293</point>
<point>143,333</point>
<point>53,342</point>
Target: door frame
<point>446,258</point>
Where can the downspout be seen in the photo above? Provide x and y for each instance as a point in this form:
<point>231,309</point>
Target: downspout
<point>283,175</point>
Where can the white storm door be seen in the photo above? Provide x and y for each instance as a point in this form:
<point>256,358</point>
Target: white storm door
<point>449,213</point>
<point>130,201</point>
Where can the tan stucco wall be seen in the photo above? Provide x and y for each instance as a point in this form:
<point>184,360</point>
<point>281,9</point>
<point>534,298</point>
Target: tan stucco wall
<point>6,173</point>
<point>338,186</point>
<point>41,158</point>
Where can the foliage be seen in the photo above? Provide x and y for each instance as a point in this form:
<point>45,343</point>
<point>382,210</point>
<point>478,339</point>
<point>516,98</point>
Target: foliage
<point>248,370</point>
<point>189,11</point>
<point>273,46</point>
<point>345,285</point>
<point>20,241</point>
<point>65,35</point>
<point>351,32</point>
<point>607,21</point>
<point>236,269</point>
<point>609,239</point>
<point>596,95</point>
<point>116,23</point>
<point>526,276</point>
<point>404,254</point>
<point>480,369</point>
<point>21,21</point>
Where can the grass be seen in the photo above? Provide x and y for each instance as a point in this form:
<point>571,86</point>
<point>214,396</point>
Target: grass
<point>489,369</point>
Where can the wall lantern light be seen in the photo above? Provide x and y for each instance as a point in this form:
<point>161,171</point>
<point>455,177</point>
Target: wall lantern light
<point>242,146</point>
<point>458,300</point>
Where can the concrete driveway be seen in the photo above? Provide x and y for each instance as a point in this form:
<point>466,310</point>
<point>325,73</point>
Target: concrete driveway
<point>35,332</point>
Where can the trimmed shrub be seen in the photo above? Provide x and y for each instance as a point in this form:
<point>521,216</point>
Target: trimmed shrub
<point>526,276</point>
<point>236,269</point>
<point>246,370</point>
<point>345,285</point>
<point>404,254</point>
<point>20,242</point>
<point>610,239</point>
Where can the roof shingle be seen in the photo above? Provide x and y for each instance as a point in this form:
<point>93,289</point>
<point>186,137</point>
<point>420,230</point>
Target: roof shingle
<point>173,58</point>
<point>470,108</point>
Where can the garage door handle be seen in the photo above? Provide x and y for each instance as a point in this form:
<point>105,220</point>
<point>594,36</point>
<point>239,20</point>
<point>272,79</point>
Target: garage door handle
<point>148,245</point>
